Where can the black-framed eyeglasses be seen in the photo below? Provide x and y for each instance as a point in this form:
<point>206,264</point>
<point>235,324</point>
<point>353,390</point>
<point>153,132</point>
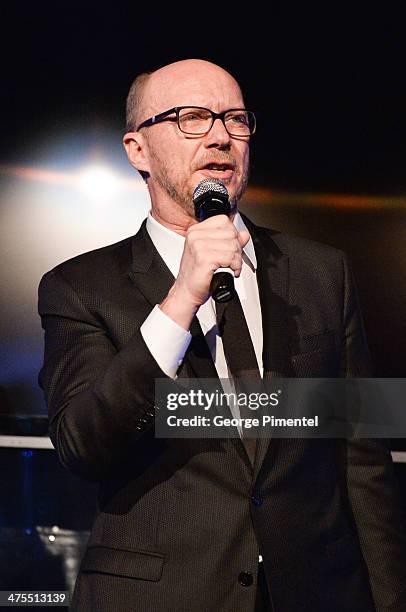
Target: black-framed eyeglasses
<point>197,121</point>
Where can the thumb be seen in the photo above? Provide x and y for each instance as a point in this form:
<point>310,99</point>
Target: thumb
<point>243,237</point>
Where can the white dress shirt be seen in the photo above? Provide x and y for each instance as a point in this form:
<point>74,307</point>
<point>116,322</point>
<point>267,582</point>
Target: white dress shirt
<point>168,341</point>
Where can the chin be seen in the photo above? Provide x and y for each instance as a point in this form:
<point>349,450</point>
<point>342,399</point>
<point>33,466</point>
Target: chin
<point>234,191</point>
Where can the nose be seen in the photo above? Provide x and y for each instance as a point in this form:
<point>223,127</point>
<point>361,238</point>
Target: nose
<point>218,137</point>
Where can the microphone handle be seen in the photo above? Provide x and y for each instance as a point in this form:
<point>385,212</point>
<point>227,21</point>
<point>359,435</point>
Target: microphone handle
<point>222,287</point>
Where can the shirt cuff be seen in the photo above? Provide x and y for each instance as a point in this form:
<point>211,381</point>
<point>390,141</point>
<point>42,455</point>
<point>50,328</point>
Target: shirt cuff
<point>166,340</point>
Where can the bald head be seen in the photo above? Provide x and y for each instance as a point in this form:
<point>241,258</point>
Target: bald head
<point>177,84</point>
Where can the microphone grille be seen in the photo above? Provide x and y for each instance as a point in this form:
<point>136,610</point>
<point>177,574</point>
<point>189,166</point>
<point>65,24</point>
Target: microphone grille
<point>207,185</point>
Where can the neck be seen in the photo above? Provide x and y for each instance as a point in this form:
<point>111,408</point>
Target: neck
<point>182,225</point>
<point>178,222</point>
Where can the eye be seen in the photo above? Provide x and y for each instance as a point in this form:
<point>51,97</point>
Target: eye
<point>238,118</point>
<point>193,115</point>
<point>190,117</point>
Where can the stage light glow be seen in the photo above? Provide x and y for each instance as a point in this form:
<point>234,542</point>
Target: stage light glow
<point>98,183</point>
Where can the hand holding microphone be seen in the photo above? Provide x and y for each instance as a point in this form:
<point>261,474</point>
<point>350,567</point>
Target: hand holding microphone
<point>210,199</point>
<point>209,245</point>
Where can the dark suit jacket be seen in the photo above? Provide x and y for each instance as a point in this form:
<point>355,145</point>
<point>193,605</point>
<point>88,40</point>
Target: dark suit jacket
<point>179,520</point>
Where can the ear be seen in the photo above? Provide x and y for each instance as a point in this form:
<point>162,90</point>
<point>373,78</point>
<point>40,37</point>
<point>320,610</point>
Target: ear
<point>135,147</point>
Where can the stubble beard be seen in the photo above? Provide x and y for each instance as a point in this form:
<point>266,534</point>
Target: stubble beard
<point>181,193</point>
<point>178,191</point>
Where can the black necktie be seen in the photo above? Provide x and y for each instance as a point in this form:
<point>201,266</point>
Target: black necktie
<point>239,353</point>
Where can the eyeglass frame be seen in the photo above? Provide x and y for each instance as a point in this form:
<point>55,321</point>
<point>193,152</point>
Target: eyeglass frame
<point>176,109</point>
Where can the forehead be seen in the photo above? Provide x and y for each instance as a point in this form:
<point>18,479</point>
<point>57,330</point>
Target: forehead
<point>211,87</point>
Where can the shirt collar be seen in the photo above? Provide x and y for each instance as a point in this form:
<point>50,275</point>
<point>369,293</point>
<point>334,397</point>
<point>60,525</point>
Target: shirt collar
<point>170,245</point>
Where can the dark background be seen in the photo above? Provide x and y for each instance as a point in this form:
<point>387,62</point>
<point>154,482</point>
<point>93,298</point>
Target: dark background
<point>328,161</point>
<point>326,81</point>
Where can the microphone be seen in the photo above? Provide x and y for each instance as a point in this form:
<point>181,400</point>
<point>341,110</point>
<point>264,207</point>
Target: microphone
<point>210,198</point>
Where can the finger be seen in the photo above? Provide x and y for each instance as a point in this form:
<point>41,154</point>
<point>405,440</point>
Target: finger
<point>230,260</point>
<point>243,237</point>
<point>236,265</point>
<point>208,248</point>
<point>216,222</point>
<point>220,234</point>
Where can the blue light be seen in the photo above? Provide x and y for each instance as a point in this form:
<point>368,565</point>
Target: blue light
<point>27,453</point>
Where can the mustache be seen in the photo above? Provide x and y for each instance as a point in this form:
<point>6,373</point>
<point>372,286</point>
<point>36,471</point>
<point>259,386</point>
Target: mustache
<point>218,157</point>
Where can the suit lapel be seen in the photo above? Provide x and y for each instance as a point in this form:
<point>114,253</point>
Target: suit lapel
<point>272,278</point>
<point>148,270</point>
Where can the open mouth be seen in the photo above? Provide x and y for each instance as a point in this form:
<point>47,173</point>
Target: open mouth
<point>216,167</point>
<point>224,171</point>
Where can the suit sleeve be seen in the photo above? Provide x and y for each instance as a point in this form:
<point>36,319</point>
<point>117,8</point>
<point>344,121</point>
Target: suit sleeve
<point>100,399</point>
<point>369,477</point>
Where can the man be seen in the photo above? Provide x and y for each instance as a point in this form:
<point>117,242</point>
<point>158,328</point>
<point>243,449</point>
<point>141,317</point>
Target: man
<point>200,525</point>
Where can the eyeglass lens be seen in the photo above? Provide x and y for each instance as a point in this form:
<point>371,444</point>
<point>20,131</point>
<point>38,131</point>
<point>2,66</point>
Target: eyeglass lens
<point>199,121</point>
